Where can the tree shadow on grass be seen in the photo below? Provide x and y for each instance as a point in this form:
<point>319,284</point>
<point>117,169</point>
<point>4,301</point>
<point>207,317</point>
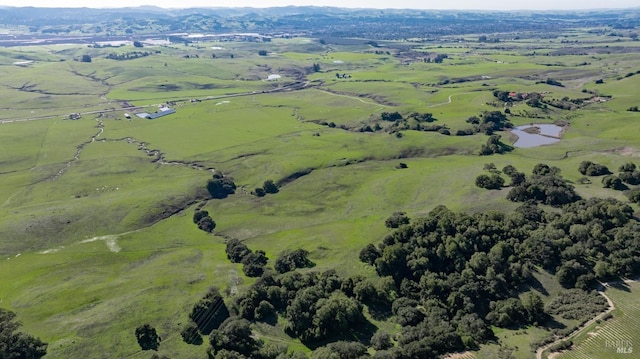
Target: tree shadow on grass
<point>379,312</point>
<point>211,317</point>
<point>195,339</point>
<point>534,283</point>
<point>551,323</point>
<point>620,285</point>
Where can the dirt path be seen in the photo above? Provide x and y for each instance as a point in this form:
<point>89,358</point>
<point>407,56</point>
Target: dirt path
<point>110,240</point>
<point>352,97</point>
<point>450,99</point>
<point>578,331</point>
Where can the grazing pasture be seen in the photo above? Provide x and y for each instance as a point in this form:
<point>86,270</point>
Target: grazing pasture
<point>96,228</point>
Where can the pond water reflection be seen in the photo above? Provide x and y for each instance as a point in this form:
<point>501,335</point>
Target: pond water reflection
<point>537,135</point>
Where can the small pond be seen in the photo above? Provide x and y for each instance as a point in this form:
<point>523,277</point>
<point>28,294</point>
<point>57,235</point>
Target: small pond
<point>537,135</point>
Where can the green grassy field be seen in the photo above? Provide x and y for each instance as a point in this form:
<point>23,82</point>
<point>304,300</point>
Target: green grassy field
<point>96,234</point>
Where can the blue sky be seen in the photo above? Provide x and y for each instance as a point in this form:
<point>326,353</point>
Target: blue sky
<point>399,4</point>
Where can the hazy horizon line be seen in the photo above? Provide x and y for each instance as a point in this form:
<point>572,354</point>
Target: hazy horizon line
<point>311,6</point>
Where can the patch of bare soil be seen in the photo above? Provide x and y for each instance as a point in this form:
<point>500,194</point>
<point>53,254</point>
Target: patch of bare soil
<point>629,151</point>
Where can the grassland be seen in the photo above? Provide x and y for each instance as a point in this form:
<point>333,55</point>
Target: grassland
<point>96,232</point>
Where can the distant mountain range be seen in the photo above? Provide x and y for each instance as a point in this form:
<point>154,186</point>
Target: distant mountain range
<point>309,20</point>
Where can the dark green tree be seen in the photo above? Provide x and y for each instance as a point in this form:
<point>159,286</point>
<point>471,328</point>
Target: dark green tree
<point>494,181</point>
<point>236,250</point>
<point>209,312</point>
<point>235,335</point>
<point>336,315</point>
<point>264,310</point>
<point>589,168</point>
<point>630,177</point>
<point>253,263</point>
<point>270,187</point>
<point>534,308</point>
<point>343,350</point>
<point>15,344</point>
<point>369,254</point>
<point>190,334</point>
<point>221,187</point>
<point>288,261</point>
<point>381,340</point>
<point>494,145</point>
<point>207,224</point>
<point>259,192</point>
<point>634,195</point>
<point>147,337</point>
<point>198,215</point>
<point>627,167</point>
<point>613,182</point>
<point>396,220</point>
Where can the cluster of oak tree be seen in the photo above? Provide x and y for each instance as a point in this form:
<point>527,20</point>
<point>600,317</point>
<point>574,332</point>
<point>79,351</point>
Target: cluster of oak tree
<point>445,279</point>
<point>545,185</point>
<point>267,187</point>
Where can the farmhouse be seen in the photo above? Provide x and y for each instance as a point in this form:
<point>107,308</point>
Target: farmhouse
<point>163,111</point>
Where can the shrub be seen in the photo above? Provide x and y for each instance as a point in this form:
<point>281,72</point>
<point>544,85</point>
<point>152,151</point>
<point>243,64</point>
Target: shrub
<point>613,182</point>
<point>190,333</point>
<point>589,168</point>
<point>236,250</point>
<point>260,192</point>
<point>288,261</point>
<point>198,215</point>
<point>369,254</point>
<point>220,187</point>
<point>209,311</point>
<point>627,167</point>
<point>396,220</point>
<point>207,224</point>
<point>494,145</point>
<point>270,187</point>
<point>634,195</point>
<point>632,178</point>
<point>381,340</point>
<point>489,182</point>
<point>147,337</point>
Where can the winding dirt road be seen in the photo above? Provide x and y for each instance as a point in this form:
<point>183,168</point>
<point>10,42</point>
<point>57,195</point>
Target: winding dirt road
<point>578,331</point>
<point>450,99</point>
<point>540,351</point>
